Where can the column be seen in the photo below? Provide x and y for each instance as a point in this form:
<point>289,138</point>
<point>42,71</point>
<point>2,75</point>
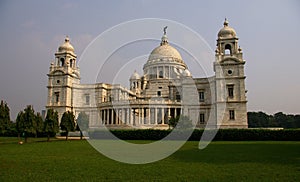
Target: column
<point>169,114</point>
<point>117,117</point>
<point>163,115</point>
<point>149,116</point>
<point>112,116</point>
<point>142,116</point>
<point>122,116</point>
<point>101,116</point>
<point>126,115</point>
<point>155,116</point>
<point>129,115</point>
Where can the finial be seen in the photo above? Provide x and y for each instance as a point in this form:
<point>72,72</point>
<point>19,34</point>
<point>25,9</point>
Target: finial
<point>164,39</point>
<point>67,39</point>
<point>240,49</point>
<point>225,22</point>
<point>165,30</point>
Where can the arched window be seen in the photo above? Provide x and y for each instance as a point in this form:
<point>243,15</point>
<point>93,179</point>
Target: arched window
<point>161,74</point>
<point>71,63</point>
<point>227,49</point>
<point>62,61</point>
<point>56,97</point>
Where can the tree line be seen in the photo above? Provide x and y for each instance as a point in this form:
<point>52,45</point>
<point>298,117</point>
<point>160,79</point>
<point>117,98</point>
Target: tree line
<point>31,124</point>
<point>263,120</point>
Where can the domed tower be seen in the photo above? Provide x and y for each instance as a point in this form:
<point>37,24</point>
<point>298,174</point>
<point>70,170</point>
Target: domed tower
<point>62,74</point>
<point>135,83</point>
<point>230,80</point>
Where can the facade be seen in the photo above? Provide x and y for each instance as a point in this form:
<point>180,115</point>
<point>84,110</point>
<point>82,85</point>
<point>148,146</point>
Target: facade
<point>165,90</point>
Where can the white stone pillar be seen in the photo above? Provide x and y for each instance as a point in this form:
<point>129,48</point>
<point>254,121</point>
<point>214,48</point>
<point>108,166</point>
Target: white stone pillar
<point>162,115</point>
<point>117,116</point>
<point>142,116</point>
<point>155,115</point>
<point>122,116</point>
<point>129,115</point>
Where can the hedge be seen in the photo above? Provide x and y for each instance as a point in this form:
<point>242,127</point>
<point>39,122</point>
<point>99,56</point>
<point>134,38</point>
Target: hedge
<point>222,134</point>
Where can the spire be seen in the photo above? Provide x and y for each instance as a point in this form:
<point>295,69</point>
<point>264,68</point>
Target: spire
<point>164,39</point>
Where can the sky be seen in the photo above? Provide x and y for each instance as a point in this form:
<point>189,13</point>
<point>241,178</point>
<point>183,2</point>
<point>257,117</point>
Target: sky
<point>268,32</point>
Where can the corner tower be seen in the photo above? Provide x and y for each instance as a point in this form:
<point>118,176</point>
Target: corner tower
<point>230,76</point>
<point>62,74</point>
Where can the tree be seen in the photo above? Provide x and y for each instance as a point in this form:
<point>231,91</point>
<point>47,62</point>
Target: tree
<point>67,122</point>
<point>259,119</point>
<point>82,123</point>
<point>39,124</point>
<point>29,122</point>
<point>20,123</point>
<point>5,122</point>
<point>51,123</point>
<point>183,122</point>
<point>26,122</point>
<point>173,122</point>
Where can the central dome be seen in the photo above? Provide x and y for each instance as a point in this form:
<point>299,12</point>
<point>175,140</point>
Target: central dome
<point>165,51</point>
<point>164,56</point>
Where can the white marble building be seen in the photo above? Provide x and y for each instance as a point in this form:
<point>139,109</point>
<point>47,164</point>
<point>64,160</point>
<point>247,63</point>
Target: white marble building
<point>165,90</point>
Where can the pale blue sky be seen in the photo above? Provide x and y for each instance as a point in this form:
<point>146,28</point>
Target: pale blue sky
<point>269,30</point>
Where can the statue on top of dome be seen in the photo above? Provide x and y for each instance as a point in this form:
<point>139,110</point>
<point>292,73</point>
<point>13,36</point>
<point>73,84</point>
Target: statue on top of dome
<point>165,30</point>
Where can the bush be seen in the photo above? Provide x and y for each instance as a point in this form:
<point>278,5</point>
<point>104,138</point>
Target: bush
<point>222,134</point>
<point>146,134</point>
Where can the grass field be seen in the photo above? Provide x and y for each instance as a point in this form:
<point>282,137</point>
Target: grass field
<point>220,161</point>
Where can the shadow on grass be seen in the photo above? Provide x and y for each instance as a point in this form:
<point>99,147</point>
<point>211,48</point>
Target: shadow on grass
<point>15,140</point>
<point>241,152</point>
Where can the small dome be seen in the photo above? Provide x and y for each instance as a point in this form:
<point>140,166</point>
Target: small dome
<point>135,76</point>
<point>66,46</point>
<point>226,31</point>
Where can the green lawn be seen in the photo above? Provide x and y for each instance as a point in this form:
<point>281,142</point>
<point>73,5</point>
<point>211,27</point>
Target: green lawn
<point>220,161</point>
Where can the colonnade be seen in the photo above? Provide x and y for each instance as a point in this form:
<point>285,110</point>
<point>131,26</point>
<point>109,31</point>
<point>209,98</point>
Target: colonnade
<point>138,115</point>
